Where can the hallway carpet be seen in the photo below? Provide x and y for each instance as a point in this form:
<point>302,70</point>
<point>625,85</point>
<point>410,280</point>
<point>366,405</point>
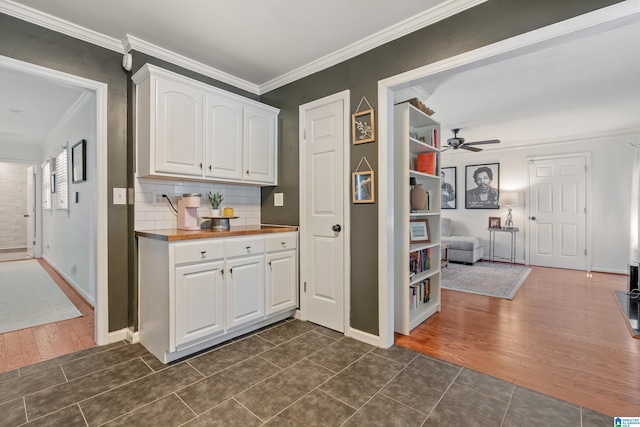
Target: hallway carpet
<point>29,297</point>
<point>291,374</point>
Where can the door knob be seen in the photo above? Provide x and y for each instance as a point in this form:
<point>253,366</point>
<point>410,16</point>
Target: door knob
<point>533,218</point>
<point>336,228</point>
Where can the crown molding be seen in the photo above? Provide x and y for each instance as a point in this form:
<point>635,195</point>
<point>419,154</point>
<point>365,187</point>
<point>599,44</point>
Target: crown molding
<point>59,25</point>
<point>133,43</point>
<point>426,18</point>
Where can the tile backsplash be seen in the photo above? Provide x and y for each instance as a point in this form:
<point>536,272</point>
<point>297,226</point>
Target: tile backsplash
<point>244,199</point>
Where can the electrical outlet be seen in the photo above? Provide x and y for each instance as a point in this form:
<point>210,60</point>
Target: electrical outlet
<point>278,199</point>
<point>157,199</point>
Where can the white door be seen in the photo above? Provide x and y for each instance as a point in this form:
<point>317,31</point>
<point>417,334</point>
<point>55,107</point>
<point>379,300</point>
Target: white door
<point>245,290</point>
<point>260,145</point>
<point>557,216</point>
<point>223,137</point>
<point>322,200</point>
<point>199,301</point>
<point>31,212</point>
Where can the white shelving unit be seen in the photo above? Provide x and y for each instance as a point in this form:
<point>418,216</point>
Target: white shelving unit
<point>415,133</point>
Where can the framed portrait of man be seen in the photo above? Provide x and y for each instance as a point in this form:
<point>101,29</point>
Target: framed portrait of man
<point>482,184</point>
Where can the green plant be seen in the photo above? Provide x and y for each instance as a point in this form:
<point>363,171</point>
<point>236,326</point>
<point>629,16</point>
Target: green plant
<point>215,200</point>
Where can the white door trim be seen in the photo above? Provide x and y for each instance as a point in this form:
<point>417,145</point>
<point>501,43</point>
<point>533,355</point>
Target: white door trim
<point>345,97</point>
<point>101,321</point>
<point>592,22</point>
<point>527,186</point>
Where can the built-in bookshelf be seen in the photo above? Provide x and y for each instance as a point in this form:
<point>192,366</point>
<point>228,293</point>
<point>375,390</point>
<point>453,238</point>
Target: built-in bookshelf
<point>416,261</point>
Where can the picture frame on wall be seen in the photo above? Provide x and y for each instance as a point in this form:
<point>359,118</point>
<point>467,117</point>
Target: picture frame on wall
<point>363,127</point>
<point>448,188</point>
<point>79,161</point>
<point>363,186</point>
<point>482,183</point>
<point>419,231</point>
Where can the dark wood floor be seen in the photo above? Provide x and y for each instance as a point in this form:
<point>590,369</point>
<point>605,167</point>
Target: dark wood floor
<point>563,334</point>
<point>31,345</point>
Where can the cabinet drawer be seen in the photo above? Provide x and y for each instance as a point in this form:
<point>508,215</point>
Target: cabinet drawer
<point>280,242</point>
<point>245,246</point>
<point>198,251</point>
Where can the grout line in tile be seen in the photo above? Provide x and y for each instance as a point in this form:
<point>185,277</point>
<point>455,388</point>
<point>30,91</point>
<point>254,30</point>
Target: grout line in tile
<point>186,404</point>
<point>248,410</point>
<point>82,413</point>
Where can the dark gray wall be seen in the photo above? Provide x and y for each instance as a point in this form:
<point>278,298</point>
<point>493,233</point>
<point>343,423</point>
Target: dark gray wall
<point>31,43</point>
<point>482,25</point>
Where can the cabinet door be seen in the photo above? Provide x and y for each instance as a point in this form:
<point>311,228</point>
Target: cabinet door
<point>223,137</point>
<point>282,281</point>
<point>245,290</point>
<point>178,127</point>
<point>199,301</point>
<point>259,145</point>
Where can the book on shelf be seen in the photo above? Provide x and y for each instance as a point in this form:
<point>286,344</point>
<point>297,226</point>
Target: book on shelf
<point>426,163</point>
<point>419,261</point>
<point>434,138</point>
<point>419,294</point>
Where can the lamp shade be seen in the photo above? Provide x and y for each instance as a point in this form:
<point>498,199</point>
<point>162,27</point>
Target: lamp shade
<point>509,198</point>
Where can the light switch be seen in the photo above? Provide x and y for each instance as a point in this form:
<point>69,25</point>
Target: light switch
<point>119,196</point>
<point>278,199</point>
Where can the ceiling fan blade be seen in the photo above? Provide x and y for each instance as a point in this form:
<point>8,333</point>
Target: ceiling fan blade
<point>470,148</point>
<point>445,149</point>
<point>489,141</point>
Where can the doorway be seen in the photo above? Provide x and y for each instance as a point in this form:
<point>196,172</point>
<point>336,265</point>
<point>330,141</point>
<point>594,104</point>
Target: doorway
<point>16,219</point>
<point>98,246</point>
<point>324,218</point>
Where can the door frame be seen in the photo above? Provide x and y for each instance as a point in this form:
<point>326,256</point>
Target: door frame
<point>101,311</point>
<point>587,195</point>
<point>345,97</point>
<point>588,23</point>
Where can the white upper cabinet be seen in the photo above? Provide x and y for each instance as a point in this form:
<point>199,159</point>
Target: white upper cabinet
<point>187,129</point>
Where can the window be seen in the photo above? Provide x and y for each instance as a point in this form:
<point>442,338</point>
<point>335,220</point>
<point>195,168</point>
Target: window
<point>61,181</point>
<point>46,185</point>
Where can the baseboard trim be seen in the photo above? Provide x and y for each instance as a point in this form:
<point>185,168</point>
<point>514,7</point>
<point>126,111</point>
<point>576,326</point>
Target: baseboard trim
<point>364,337</point>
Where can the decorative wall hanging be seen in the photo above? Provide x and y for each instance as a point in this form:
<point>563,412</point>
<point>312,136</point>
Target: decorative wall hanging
<point>362,183</point>
<point>363,124</point>
<point>79,161</point>
<point>481,184</point>
<point>448,188</point>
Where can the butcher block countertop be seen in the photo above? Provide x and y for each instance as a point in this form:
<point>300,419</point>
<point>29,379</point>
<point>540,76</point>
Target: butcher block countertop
<point>173,234</point>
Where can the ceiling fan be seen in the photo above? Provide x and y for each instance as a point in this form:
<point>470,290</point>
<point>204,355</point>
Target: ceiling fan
<point>458,142</point>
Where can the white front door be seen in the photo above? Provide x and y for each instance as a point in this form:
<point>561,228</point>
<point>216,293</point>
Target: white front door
<point>322,205</point>
<point>31,212</point>
<point>558,211</point>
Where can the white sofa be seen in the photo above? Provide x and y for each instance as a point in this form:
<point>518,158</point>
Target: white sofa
<point>465,249</point>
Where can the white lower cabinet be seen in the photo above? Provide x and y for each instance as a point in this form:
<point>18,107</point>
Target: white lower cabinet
<point>245,290</point>
<point>199,301</point>
<point>198,293</point>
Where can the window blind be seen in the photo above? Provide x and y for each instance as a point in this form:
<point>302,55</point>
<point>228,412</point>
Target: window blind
<point>46,185</point>
<point>62,188</point>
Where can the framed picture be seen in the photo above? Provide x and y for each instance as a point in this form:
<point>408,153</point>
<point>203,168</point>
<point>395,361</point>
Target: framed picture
<point>448,188</point>
<point>419,231</point>
<point>481,186</point>
<point>363,127</point>
<point>494,222</point>
<point>79,161</point>
<point>52,182</point>
<point>363,186</point>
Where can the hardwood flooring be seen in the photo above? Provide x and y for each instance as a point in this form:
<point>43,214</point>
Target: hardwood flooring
<point>563,335</point>
<point>31,345</point>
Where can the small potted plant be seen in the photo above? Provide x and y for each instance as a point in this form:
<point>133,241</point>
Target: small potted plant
<point>215,200</point>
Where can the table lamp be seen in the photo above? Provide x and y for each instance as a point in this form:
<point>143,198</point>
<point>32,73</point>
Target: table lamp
<point>509,198</point>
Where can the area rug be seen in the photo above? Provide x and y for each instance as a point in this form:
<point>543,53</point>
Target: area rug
<point>29,297</point>
<point>491,279</point>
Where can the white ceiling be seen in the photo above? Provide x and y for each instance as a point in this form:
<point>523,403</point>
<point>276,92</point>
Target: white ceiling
<point>581,88</point>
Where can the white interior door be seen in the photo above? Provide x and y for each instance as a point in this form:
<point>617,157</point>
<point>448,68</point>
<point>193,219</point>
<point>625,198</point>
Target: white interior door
<point>322,199</point>
<point>31,212</point>
<point>558,211</point>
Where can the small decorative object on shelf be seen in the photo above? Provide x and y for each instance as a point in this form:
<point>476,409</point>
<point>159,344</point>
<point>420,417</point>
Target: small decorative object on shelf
<point>215,200</point>
<point>363,124</point>
<point>420,106</point>
<point>419,231</point>
<point>494,222</point>
<point>419,198</point>
<point>509,198</point>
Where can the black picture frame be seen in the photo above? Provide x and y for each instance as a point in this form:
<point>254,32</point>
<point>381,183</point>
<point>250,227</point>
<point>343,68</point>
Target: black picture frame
<point>476,195</point>
<point>449,188</point>
<point>79,161</point>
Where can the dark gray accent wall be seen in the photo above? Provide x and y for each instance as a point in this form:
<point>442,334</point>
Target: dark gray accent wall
<point>482,25</point>
<point>37,45</point>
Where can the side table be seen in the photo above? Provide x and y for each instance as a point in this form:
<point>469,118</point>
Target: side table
<point>444,260</point>
<point>492,242</point>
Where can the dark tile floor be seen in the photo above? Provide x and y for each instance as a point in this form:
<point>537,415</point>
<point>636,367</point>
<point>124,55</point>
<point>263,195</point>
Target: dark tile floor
<point>292,374</point>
